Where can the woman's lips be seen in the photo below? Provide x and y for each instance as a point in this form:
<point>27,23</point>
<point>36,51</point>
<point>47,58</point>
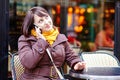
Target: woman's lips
<point>47,26</point>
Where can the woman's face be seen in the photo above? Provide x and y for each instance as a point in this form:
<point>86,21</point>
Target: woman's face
<point>44,23</point>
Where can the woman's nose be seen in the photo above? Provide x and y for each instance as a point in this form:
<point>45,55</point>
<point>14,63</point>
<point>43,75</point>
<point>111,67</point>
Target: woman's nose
<point>47,22</point>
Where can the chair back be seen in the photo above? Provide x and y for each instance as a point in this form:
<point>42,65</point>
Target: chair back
<point>99,59</point>
<point>105,50</point>
<point>76,49</point>
<point>16,67</point>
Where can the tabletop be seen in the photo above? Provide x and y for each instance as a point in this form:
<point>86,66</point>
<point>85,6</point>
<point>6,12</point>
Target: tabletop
<point>97,73</point>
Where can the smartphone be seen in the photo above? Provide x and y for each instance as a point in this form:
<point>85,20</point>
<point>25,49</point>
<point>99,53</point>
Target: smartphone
<point>36,27</point>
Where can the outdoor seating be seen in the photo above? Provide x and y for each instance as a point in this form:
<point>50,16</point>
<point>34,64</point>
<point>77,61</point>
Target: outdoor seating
<point>99,66</point>
<point>16,67</point>
<point>99,59</point>
<point>105,50</point>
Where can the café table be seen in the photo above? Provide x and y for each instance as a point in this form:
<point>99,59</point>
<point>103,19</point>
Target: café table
<point>97,73</point>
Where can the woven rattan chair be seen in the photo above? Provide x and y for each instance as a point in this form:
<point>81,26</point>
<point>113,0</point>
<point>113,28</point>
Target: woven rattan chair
<point>16,67</point>
<point>99,59</point>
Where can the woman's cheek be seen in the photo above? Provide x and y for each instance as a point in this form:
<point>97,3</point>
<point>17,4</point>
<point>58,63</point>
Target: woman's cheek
<point>41,26</point>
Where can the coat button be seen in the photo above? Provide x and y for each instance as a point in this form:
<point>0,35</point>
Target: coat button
<point>40,49</point>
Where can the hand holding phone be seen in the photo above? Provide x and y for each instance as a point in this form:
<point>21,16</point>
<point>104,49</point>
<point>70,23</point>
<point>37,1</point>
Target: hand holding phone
<point>39,31</point>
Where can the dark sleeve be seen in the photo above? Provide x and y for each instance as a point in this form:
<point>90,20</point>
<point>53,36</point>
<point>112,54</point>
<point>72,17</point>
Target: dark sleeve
<point>71,57</point>
<point>30,55</point>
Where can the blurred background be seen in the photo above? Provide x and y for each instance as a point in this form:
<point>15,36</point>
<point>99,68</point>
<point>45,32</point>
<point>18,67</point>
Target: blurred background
<point>79,20</point>
<point>88,24</point>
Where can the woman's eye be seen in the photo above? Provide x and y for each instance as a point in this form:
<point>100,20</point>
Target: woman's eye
<point>40,21</point>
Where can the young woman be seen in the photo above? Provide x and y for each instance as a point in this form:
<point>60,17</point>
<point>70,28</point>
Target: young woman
<point>40,34</point>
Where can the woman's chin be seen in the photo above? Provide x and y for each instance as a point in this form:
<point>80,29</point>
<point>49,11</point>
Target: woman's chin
<point>47,30</point>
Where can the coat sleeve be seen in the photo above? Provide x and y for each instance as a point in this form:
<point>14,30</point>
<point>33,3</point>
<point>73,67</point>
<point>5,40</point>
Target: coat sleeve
<point>30,55</point>
<point>71,57</point>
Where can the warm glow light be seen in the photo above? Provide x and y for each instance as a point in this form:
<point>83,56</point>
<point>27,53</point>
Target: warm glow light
<point>107,15</point>
<point>69,20</point>
<point>81,19</point>
<point>70,10</point>
<point>58,20</point>
<point>53,12</point>
<point>78,28</point>
<point>58,9</point>
<point>106,11</point>
<point>89,10</point>
<point>77,10</point>
<point>95,10</point>
<point>82,10</point>
<point>58,6</point>
<point>76,20</point>
<point>112,10</point>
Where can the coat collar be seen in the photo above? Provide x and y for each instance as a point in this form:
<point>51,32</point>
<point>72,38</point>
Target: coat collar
<point>31,38</point>
<point>60,38</point>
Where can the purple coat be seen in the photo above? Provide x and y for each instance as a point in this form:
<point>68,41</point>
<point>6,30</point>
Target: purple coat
<point>33,56</point>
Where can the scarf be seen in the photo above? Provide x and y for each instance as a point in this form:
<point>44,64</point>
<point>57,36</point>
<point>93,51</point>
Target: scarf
<point>50,36</point>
